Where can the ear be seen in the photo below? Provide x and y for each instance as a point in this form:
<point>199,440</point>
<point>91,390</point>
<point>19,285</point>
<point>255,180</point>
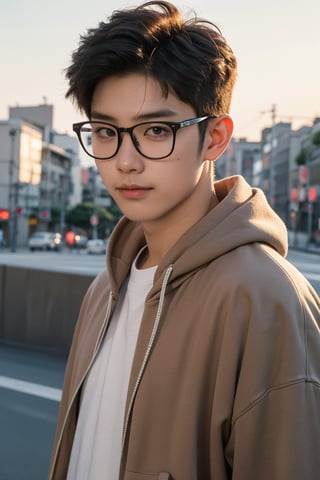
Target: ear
<point>218,136</point>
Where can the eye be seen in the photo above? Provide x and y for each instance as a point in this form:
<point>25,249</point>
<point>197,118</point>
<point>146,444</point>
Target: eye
<point>158,130</point>
<point>103,132</point>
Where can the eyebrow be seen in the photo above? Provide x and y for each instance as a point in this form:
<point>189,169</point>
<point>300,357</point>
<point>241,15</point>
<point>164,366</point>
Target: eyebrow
<point>166,113</point>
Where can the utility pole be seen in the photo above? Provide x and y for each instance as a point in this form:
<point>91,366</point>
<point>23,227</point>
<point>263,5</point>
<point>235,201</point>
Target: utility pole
<point>15,216</point>
<point>11,192</point>
<point>271,155</point>
<point>63,205</point>
<point>94,209</point>
<point>63,214</point>
<point>309,201</point>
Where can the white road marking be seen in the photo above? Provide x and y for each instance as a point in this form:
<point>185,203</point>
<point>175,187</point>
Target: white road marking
<point>312,276</point>
<point>31,388</point>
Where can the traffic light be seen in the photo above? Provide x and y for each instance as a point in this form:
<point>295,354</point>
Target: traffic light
<point>312,194</point>
<point>294,195</point>
<point>4,214</point>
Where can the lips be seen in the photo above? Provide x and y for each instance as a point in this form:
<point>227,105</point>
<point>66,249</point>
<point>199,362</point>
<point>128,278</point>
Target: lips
<point>133,191</point>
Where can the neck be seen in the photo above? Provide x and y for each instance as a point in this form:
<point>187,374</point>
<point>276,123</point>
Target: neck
<point>161,238</point>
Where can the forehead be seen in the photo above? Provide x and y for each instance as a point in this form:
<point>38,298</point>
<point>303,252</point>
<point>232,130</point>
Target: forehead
<point>134,95</point>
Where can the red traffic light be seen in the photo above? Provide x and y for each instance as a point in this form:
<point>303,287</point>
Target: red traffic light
<point>312,194</point>
<point>294,195</point>
<point>4,214</point>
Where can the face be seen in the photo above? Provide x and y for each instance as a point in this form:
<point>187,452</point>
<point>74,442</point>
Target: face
<point>159,193</point>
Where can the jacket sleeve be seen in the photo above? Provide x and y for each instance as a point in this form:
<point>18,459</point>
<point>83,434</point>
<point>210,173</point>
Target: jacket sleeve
<point>278,438</point>
<point>275,359</point>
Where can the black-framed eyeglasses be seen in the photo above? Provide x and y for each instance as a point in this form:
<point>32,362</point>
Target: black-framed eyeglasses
<point>153,140</point>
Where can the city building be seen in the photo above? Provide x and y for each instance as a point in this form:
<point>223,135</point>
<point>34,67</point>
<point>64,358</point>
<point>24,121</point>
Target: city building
<point>242,158</point>
<point>40,174</point>
<point>93,189</point>
<point>20,173</point>
<point>285,164</point>
<point>304,178</point>
<point>275,146</point>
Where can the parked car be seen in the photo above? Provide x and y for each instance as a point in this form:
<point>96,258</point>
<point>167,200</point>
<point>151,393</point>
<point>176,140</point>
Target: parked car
<point>80,241</point>
<point>96,246</point>
<point>45,241</point>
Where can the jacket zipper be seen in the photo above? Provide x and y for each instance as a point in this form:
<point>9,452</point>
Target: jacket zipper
<point>100,337</point>
<point>147,354</point>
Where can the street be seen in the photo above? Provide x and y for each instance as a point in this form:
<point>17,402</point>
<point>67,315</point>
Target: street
<point>75,261</point>
<point>30,389</point>
<point>79,261</point>
<point>31,379</point>
<point>308,264</point>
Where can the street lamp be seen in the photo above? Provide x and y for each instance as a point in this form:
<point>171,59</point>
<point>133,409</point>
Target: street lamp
<point>12,221</point>
<point>272,157</point>
<point>311,197</point>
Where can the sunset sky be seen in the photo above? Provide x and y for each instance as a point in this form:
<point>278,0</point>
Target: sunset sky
<point>277,44</point>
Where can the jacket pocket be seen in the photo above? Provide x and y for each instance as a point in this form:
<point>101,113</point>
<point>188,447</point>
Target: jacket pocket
<point>147,476</point>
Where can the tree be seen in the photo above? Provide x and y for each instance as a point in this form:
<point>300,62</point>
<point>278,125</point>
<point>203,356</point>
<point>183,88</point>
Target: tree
<point>316,138</point>
<point>80,215</point>
<point>55,215</point>
<point>301,158</point>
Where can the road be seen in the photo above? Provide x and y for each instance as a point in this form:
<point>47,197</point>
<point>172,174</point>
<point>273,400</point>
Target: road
<point>76,261</point>
<point>80,262</point>
<point>308,264</point>
<point>31,380</point>
<point>30,390</point>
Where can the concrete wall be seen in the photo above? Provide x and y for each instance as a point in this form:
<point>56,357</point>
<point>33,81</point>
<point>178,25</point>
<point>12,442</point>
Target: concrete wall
<point>38,307</point>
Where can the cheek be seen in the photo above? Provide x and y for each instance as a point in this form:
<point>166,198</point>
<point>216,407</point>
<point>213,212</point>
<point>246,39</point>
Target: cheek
<point>179,178</point>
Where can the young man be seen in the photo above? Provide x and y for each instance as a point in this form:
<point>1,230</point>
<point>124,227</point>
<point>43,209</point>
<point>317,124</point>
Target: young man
<point>197,352</point>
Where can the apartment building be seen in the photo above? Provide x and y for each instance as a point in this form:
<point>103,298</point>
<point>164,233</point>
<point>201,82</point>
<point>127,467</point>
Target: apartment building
<point>241,157</point>
<point>40,174</point>
<point>272,164</point>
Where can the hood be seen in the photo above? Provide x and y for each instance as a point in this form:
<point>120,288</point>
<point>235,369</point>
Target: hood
<point>242,216</point>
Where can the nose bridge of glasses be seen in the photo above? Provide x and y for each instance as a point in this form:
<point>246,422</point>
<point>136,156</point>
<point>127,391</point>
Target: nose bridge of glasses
<point>130,131</point>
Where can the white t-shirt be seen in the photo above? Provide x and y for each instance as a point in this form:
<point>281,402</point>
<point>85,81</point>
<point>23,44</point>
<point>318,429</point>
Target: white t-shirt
<point>96,450</point>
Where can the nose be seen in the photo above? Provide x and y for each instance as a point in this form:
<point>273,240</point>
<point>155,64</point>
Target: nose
<point>128,158</point>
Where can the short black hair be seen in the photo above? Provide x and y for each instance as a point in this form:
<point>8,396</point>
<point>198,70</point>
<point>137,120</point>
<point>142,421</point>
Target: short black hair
<point>189,57</point>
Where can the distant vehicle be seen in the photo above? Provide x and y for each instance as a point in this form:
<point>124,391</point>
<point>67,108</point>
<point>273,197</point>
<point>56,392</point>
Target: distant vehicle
<point>96,246</point>
<point>45,241</point>
<point>80,241</point>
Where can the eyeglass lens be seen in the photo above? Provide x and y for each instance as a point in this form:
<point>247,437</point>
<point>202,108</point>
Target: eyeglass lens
<point>151,139</point>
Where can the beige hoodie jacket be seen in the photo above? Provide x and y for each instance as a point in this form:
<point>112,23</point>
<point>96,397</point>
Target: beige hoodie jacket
<point>225,381</point>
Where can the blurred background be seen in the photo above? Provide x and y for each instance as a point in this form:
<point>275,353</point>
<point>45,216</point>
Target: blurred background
<point>56,215</point>
<point>48,184</point>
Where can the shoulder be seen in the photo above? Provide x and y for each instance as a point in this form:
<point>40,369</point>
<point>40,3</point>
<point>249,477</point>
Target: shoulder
<point>261,271</point>
<point>254,288</point>
<point>271,319</point>
<point>268,303</point>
